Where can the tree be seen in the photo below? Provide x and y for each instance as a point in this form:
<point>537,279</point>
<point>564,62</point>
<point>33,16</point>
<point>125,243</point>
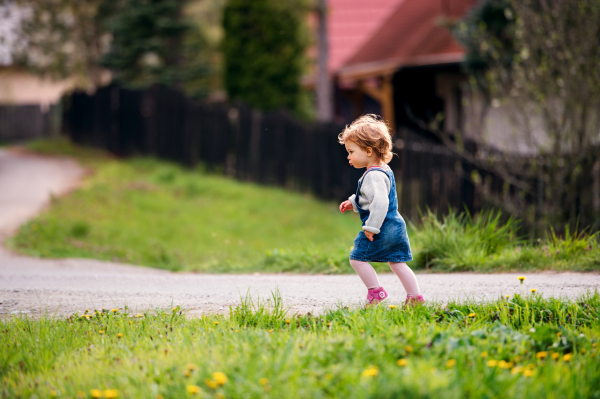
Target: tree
<point>64,39</point>
<point>264,51</point>
<point>202,46</point>
<point>539,60</point>
<point>147,45</point>
<point>141,42</point>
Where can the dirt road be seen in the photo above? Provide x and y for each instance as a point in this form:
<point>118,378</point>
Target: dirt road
<point>34,286</point>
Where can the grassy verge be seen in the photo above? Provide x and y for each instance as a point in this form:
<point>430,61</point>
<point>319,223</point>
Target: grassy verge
<point>484,244</point>
<point>155,213</point>
<point>524,346</point>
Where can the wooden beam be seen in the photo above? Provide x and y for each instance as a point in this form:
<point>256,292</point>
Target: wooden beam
<point>384,95</point>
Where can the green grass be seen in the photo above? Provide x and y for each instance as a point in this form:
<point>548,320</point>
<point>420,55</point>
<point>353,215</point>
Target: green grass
<point>155,213</point>
<point>458,242</point>
<point>149,212</point>
<point>522,347</point>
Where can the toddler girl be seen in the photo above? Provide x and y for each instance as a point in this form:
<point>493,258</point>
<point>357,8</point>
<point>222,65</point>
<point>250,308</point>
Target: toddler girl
<point>383,237</point>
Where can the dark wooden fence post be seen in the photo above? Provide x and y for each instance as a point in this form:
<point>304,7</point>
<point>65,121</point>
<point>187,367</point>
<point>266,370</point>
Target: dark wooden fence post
<point>115,94</point>
<point>255,133</point>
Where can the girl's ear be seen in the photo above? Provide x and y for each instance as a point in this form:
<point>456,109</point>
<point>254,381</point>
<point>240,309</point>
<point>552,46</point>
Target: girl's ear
<point>369,151</point>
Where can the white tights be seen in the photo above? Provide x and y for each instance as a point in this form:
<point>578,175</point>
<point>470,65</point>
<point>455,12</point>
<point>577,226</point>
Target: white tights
<point>368,275</point>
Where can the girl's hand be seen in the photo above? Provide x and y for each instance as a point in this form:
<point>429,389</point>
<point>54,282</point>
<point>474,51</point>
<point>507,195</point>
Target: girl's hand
<point>369,235</point>
<point>346,206</point>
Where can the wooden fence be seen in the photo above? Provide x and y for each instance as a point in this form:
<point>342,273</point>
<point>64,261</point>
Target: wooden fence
<point>266,147</point>
<point>26,122</point>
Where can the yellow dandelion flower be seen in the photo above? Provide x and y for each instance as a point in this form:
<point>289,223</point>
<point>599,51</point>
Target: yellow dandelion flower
<point>270,331</point>
<point>393,306</point>
<point>187,373</point>
<point>507,296</point>
<point>595,344</point>
<point>87,311</point>
<point>263,381</point>
<point>53,393</point>
<point>451,363</point>
<point>567,357</point>
<point>138,315</point>
<point>237,331</point>
<point>351,248</point>
<point>193,389</point>
<point>472,315</point>
<point>96,393</point>
<point>541,355</point>
<point>328,324</point>
<point>516,370</point>
<point>111,393</point>
<point>402,362</point>
<point>216,322</point>
<point>533,290</point>
<point>521,279</point>
<point>220,378</point>
<point>191,366</point>
<point>505,365</point>
<point>554,356</point>
<point>119,335</point>
<point>114,310</point>
<point>408,348</point>
<point>558,334</point>
<point>210,383</point>
<point>528,373</point>
<point>130,322</point>
<point>100,332</point>
<point>582,351</point>
<point>174,309</point>
<point>371,371</point>
<point>287,321</point>
<point>492,363</point>
<point>484,354</point>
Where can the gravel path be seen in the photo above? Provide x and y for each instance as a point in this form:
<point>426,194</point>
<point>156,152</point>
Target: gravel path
<point>63,286</point>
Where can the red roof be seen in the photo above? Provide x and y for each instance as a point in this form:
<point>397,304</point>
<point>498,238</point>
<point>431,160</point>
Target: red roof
<point>411,36</point>
<point>351,23</point>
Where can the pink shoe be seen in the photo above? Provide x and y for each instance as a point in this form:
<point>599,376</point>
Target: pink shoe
<point>376,295</point>
<point>414,301</point>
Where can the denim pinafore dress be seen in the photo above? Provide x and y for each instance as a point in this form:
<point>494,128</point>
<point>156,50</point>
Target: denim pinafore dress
<point>391,244</point>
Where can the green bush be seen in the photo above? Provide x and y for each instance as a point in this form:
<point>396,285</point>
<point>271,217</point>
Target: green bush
<point>264,52</point>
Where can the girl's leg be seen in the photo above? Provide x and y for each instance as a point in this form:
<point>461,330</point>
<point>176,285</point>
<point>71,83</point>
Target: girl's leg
<point>366,273</point>
<point>407,278</point>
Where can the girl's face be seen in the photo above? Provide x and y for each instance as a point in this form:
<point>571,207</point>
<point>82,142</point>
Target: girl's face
<point>358,157</point>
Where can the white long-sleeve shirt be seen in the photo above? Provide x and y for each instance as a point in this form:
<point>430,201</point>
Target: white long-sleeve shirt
<point>374,197</point>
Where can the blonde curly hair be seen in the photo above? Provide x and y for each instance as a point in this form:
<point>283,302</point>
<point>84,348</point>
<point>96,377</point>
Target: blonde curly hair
<point>370,131</point>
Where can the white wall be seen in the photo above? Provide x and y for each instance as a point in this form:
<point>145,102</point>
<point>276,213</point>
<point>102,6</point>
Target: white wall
<point>21,88</point>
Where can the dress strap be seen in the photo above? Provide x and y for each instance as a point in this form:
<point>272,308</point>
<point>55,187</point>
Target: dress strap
<point>373,168</point>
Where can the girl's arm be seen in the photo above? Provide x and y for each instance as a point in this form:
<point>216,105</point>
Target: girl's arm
<point>376,188</point>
